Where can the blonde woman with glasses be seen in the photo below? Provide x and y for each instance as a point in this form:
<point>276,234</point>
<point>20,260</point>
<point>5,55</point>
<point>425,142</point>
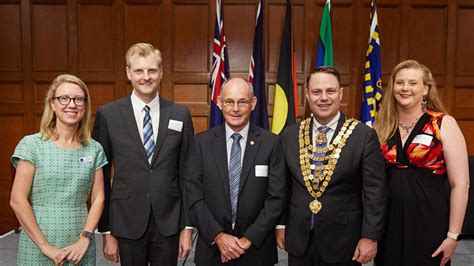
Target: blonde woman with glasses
<point>56,171</point>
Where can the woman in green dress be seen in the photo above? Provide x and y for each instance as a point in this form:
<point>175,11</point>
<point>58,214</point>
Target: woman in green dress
<point>56,171</point>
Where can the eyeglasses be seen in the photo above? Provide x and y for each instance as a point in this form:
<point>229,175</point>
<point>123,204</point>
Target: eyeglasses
<point>240,103</point>
<point>65,100</point>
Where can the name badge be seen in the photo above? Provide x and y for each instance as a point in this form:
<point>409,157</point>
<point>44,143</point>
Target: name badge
<point>261,170</point>
<point>175,125</point>
<point>423,139</point>
<point>86,159</point>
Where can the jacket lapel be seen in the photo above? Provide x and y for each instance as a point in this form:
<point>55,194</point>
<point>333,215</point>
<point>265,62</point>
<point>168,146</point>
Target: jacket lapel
<point>342,119</point>
<point>165,112</point>
<point>251,149</point>
<point>126,110</point>
<point>220,157</point>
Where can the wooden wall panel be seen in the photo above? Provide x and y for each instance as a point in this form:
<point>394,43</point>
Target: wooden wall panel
<point>467,127</point>
<point>142,24</point>
<point>13,131</point>
<point>101,93</point>
<point>49,37</point>
<point>96,38</point>
<point>465,42</point>
<point>10,47</point>
<point>239,35</point>
<point>39,90</point>
<point>425,45</point>
<point>11,92</point>
<point>190,36</point>
<point>343,36</point>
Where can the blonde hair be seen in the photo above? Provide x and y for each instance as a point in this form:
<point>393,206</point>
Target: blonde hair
<point>386,123</point>
<point>48,120</point>
<point>142,49</point>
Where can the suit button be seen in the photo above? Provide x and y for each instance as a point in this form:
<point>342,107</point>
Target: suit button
<point>147,195</point>
<point>150,172</point>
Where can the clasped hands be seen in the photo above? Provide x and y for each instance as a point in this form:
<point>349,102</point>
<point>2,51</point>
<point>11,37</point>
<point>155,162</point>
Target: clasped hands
<point>72,253</point>
<point>231,247</point>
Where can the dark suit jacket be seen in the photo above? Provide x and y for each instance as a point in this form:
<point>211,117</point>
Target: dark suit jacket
<point>261,198</point>
<point>140,188</point>
<point>353,203</point>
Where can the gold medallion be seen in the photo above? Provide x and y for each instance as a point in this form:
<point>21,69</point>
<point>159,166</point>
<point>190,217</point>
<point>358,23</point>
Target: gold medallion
<point>321,139</point>
<point>315,206</point>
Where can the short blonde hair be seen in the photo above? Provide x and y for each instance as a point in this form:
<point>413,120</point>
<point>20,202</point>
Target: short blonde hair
<point>386,123</point>
<point>48,120</point>
<point>142,49</point>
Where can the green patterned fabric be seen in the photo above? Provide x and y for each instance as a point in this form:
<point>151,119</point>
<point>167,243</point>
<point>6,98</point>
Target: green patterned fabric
<point>61,186</point>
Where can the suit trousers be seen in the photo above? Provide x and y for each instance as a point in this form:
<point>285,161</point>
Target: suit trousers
<point>311,257</point>
<point>152,247</point>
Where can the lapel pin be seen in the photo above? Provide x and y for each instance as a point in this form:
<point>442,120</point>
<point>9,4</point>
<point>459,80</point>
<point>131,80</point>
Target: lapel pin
<point>251,142</point>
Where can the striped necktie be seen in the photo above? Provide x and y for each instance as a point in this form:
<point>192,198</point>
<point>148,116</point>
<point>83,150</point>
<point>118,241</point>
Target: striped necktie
<point>148,140</point>
<point>234,173</point>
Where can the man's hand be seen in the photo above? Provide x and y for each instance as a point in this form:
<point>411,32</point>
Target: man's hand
<point>228,246</point>
<point>185,242</point>
<point>280,237</point>
<point>244,243</point>
<point>111,248</point>
<point>365,251</point>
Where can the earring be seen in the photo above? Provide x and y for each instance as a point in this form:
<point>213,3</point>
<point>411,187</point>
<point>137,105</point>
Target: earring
<point>424,103</point>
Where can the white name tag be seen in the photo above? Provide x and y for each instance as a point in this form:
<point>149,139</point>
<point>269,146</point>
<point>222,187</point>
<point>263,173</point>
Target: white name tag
<point>261,170</point>
<point>175,125</point>
<point>86,159</point>
<point>423,139</point>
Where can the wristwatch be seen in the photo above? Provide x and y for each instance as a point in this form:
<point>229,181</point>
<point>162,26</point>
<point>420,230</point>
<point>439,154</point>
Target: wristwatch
<point>453,235</point>
<point>87,234</point>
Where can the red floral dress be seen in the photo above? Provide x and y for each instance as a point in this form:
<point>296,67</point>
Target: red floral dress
<point>418,208</point>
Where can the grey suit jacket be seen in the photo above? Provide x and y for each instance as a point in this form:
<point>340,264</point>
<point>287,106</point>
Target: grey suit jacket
<point>140,188</point>
<point>354,201</point>
<point>262,197</point>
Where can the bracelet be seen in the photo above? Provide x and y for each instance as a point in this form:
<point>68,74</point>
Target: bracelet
<point>453,235</point>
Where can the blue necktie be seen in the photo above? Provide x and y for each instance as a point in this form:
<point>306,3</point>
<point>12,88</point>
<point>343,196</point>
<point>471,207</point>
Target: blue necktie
<point>234,173</point>
<point>148,141</point>
<point>317,173</point>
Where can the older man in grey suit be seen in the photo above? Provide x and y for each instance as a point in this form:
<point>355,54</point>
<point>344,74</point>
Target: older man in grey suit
<point>146,139</point>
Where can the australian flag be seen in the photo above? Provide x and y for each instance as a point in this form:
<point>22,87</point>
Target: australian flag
<point>220,66</point>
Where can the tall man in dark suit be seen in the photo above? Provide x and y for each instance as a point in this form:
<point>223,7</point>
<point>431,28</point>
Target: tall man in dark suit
<point>338,186</point>
<point>235,185</point>
<point>146,140</point>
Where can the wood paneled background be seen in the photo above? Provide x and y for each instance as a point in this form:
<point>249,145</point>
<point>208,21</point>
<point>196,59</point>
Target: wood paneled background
<point>88,38</point>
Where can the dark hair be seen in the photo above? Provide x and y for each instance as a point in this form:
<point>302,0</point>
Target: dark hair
<point>325,69</point>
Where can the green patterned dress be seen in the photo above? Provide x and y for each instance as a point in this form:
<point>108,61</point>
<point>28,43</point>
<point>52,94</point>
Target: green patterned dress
<point>61,186</point>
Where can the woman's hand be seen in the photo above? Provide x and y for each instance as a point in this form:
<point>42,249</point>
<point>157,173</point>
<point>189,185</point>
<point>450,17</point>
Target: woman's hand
<point>55,254</point>
<point>77,251</point>
<point>447,248</point>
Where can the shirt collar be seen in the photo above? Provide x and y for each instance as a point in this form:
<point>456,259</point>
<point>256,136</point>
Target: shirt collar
<point>244,132</point>
<point>154,104</point>
<point>332,124</point>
